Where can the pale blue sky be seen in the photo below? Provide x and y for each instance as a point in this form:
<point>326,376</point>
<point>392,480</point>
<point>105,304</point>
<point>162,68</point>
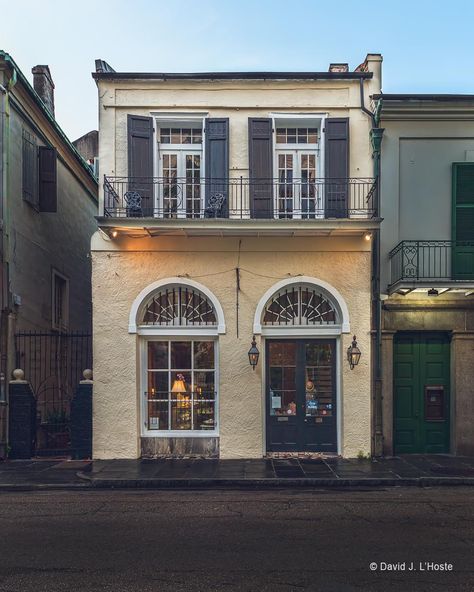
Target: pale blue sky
<point>428,46</point>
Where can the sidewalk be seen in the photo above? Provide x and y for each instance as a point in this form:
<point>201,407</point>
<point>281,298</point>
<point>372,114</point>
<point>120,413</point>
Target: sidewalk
<point>414,470</point>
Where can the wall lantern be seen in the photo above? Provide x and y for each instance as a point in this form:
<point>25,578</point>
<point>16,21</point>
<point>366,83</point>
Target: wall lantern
<point>253,354</point>
<point>353,354</point>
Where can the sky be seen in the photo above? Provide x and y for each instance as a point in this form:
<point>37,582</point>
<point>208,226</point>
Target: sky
<point>427,46</point>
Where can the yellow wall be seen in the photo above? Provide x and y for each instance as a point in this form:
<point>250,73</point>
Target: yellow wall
<point>124,267</point>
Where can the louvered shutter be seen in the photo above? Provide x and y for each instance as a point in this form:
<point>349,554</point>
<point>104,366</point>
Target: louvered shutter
<point>47,174</point>
<point>463,221</point>
<point>337,167</point>
<point>261,167</point>
<point>217,165</point>
<point>140,161</point>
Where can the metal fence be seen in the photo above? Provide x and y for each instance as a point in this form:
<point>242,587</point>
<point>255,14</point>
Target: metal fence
<point>53,363</point>
<point>284,198</point>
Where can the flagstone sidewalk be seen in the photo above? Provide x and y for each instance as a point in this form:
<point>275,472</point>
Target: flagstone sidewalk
<point>417,470</point>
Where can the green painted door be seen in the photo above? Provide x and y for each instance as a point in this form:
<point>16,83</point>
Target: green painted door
<point>421,392</point>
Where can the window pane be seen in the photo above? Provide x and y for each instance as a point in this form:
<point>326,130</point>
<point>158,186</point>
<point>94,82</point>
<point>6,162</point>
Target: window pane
<point>204,415</point>
<point>196,136</point>
<point>157,355</point>
<point>181,385</point>
<point>204,385</point>
<point>186,135</point>
<point>180,355</point>
<point>176,136</point>
<point>181,415</point>
<point>312,135</point>
<point>158,415</point>
<point>204,354</point>
<point>158,385</point>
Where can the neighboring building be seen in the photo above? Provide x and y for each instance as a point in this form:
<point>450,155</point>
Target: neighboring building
<point>48,201</point>
<point>427,272</point>
<point>233,204</point>
<point>88,147</point>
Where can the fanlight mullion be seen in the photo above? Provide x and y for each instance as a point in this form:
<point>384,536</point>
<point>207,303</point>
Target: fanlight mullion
<point>301,306</point>
<point>179,306</point>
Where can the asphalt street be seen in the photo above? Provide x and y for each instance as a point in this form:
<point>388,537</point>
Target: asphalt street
<point>201,541</point>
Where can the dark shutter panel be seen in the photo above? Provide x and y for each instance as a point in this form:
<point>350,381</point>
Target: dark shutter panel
<point>463,221</point>
<point>48,193</point>
<point>261,167</point>
<point>140,162</point>
<point>217,166</point>
<point>337,167</point>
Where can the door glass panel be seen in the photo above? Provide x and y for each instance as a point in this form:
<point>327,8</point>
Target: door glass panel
<point>193,185</point>
<point>308,187</point>
<point>285,184</point>
<point>170,184</point>
<point>319,389</point>
<point>282,377</point>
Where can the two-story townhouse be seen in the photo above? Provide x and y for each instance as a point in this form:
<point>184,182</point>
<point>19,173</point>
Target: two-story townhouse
<point>48,208</point>
<point>232,266</point>
<point>427,272</point>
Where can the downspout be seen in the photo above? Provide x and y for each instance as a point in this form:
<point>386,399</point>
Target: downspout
<point>376,134</point>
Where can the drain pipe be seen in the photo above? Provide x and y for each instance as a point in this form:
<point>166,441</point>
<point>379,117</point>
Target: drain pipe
<point>376,135</point>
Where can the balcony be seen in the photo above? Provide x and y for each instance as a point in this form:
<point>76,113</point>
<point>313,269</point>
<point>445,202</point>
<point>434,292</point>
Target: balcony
<point>184,201</point>
<point>431,263</point>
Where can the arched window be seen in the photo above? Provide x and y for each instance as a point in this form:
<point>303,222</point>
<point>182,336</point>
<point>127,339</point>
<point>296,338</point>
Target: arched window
<point>179,306</point>
<point>300,306</point>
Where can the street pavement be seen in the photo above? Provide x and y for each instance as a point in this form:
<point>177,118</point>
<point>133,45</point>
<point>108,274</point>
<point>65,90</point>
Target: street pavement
<point>277,540</point>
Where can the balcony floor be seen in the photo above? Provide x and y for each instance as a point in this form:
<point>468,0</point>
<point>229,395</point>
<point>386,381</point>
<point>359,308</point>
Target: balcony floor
<point>243,227</point>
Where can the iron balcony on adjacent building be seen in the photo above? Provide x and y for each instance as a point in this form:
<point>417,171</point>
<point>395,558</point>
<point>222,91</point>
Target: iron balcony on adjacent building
<point>432,263</point>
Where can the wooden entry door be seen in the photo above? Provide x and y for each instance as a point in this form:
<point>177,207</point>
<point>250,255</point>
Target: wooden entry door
<point>301,395</point>
<point>421,392</point>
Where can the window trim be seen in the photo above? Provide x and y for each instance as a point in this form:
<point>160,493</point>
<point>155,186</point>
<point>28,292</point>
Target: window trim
<point>64,327</point>
<point>143,360</point>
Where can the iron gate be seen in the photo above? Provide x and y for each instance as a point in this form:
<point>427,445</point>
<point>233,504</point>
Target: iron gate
<point>53,363</point>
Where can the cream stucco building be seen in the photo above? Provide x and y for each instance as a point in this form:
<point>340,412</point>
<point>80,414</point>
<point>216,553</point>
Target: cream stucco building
<point>232,206</point>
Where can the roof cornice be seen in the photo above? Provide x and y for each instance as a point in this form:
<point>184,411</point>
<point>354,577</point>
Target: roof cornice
<point>199,76</point>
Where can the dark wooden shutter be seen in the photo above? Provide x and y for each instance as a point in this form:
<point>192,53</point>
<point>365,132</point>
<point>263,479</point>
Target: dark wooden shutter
<point>217,163</point>
<point>140,160</point>
<point>463,221</point>
<point>261,167</point>
<point>48,182</point>
<point>337,167</point>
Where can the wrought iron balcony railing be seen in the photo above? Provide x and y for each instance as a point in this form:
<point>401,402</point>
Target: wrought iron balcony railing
<point>432,260</point>
<point>188,198</point>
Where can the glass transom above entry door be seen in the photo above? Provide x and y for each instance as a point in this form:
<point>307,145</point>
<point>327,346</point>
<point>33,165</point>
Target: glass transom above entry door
<point>301,395</point>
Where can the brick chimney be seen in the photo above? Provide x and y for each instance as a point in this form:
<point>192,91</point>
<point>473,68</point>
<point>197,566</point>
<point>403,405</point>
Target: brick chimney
<point>339,67</point>
<point>44,86</point>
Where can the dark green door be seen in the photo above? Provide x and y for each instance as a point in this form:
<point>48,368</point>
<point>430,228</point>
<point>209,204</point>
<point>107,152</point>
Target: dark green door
<point>421,393</point>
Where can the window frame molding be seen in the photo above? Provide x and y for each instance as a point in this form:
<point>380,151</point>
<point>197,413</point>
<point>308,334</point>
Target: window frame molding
<point>55,273</point>
<point>335,297</point>
<point>140,302</point>
<point>143,361</point>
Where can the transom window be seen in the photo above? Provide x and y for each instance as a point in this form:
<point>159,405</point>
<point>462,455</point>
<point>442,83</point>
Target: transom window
<point>299,306</point>
<point>181,385</point>
<point>297,135</point>
<point>180,135</point>
<point>179,306</point>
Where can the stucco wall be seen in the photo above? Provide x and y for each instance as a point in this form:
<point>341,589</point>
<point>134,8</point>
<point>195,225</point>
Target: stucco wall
<point>416,181</point>
<point>40,241</point>
<point>122,268</point>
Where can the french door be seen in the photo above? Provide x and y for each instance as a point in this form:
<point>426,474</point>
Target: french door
<point>297,193</point>
<point>301,395</point>
<point>180,189</point>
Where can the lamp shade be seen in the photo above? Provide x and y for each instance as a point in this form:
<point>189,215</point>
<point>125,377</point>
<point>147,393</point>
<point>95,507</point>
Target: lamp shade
<point>179,385</point>
<point>353,354</point>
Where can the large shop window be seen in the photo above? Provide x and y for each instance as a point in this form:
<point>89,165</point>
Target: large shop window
<point>181,385</point>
